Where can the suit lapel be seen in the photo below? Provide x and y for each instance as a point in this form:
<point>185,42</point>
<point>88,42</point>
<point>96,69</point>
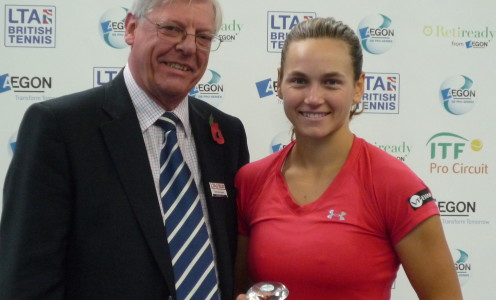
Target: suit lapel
<point>211,161</point>
<point>124,141</point>
<point>210,154</point>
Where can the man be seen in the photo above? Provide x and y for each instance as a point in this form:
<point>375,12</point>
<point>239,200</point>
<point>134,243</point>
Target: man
<point>82,216</point>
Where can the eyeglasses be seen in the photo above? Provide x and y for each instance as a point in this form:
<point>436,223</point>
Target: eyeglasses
<point>176,34</point>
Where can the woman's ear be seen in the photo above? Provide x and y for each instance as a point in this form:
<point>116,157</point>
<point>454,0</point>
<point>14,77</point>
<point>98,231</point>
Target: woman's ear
<point>279,81</point>
<point>359,88</point>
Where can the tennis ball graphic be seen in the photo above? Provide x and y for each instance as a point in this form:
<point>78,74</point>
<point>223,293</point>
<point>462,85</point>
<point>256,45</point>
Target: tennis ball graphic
<point>476,145</point>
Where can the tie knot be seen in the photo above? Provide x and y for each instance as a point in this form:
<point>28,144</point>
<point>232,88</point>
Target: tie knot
<point>168,121</point>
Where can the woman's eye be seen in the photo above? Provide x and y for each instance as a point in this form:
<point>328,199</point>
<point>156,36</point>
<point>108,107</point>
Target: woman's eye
<point>298,81</point>
<point>331,82</point>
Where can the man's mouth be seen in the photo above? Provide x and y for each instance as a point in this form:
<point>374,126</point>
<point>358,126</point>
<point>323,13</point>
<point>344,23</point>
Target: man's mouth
<point>179,67</point>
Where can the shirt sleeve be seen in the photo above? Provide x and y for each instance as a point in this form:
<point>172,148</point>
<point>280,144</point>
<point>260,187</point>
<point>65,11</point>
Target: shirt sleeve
<point>404,199</point>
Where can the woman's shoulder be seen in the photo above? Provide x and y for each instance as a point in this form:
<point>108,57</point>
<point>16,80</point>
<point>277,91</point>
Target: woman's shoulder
<point>378,158</point>
<point>265,166</point>
<point>382,168</point>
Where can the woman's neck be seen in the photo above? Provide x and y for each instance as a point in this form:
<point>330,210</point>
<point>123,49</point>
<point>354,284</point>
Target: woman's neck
<point>324,153</point>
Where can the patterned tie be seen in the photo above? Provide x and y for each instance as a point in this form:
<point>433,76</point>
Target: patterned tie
<point>189,244</point>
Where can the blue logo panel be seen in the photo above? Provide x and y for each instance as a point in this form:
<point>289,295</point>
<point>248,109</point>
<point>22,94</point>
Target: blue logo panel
<point>30,26</point>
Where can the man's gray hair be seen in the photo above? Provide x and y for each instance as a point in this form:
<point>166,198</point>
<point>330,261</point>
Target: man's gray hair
<point>141,8</point>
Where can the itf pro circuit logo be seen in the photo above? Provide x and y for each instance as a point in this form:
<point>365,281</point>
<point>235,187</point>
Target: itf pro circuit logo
<point>376,33</point>
<point>457,94</point>
<point>447,150</point>
<point>30,26</point>
<point>209,89</point>
<point>382,93</point>
<point>112,27</point>
<point>279,24</point>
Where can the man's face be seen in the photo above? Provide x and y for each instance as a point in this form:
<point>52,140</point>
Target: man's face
<point>166,69</point>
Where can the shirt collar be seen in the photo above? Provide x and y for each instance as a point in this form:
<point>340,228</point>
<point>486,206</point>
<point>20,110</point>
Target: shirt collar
<point>147,110</point>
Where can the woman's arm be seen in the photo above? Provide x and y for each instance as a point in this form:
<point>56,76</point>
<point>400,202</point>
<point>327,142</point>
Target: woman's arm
<point>242,280</point>
<point>428,263</point>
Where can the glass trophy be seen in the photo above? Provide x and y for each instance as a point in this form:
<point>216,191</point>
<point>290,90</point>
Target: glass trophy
<point>267,290</point>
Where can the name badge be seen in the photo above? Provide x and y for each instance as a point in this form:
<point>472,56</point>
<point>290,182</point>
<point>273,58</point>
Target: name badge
<point>218,189</point>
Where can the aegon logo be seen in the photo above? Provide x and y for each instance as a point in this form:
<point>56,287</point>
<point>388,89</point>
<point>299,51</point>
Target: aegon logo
<point>24,84</point>
<point>376,33</point>
<point>457,94</point>
<point>462,265</point>
<point>456,209</point>
<point>266,87</point>
<point>210,88</point>
<point>112,27</point>
<point>475,44</point>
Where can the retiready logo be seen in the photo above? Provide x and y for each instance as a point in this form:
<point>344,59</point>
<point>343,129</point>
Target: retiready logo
<point>400,150</point>
<point>450,153</point>
<point>112,27</point>
<point>279,23</point>
<point>457,94</point>
<point>103,75</point>
<point>468,38</point>
<point>382,94</point>
<point>230,31</point>
<point>376,33</point>
<point>210,88</point>
<point>30,26</point>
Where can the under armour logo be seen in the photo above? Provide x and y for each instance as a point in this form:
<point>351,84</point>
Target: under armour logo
<point>332,214</point>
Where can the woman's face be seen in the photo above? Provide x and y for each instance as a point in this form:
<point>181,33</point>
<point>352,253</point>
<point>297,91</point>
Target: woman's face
<point>318,87</point>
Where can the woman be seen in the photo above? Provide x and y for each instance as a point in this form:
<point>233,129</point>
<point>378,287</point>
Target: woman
<point>331,216</point>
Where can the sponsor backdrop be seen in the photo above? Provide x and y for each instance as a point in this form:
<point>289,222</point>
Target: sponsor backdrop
<point>429,99</point>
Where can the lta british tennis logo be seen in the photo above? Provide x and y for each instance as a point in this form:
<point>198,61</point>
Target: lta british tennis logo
<point>30,26</point>
<point>280,23</point>
<point>103,75</point>
<point>381,94</point>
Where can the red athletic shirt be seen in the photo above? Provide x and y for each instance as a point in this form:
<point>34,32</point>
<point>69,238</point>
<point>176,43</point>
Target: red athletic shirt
<point>341,245</point>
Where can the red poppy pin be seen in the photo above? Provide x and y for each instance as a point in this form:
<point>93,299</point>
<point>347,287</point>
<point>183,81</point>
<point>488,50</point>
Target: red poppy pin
<point>216,133</point>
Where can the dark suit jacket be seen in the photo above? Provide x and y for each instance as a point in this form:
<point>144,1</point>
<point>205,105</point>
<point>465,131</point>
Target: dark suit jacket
<point>81,219</point>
